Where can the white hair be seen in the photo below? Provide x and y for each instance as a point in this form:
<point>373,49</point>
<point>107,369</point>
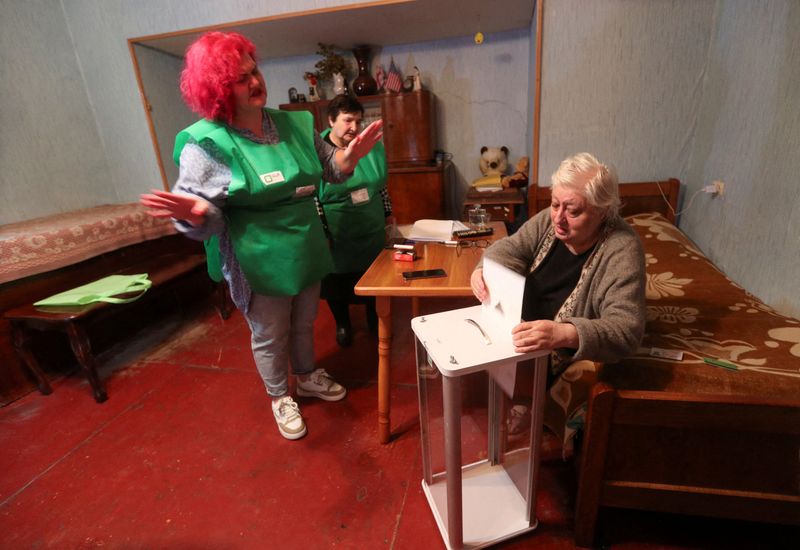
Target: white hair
<point>584,174</point>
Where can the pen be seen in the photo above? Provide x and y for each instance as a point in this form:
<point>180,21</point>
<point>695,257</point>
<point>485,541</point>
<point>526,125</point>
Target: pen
<point>720,363</point>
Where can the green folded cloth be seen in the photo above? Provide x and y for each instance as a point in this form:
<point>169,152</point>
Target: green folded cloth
<point>102,290</point>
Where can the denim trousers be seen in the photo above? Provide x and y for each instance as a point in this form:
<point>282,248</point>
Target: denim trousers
<point>282,330</point>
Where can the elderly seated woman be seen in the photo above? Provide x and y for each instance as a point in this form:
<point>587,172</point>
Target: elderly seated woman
<point>585,274</point>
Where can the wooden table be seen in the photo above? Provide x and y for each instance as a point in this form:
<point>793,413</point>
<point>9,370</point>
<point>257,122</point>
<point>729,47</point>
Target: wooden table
<point>384,280</point>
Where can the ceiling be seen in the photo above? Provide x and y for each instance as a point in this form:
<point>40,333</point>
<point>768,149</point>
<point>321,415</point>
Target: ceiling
<point>381,23</point>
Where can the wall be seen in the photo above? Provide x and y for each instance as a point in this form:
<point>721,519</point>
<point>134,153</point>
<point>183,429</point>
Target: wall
<point>748,134</point>
<point>161,76</point>
<point>51,152</point>
<point>623,80</point>
<point>700,91</point>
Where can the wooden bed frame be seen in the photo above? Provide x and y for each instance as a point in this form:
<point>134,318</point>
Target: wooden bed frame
<point>649,196</point>
<point>676,452</point>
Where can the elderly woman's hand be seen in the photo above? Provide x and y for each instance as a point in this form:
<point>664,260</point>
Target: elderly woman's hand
<point>162,204</point>
<point>361,145</point>
<point>478,285</point>
<point>540,335</point>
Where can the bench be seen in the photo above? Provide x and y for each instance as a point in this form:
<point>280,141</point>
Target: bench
<point>73,321</point>
<point>49,255</point>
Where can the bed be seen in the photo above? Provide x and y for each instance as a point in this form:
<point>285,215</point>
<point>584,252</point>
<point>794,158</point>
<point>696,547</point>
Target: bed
<point>686,436</point>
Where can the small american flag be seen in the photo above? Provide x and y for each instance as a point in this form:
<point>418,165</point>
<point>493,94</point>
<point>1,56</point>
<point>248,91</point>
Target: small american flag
<point>394,82</point>
<point>380,77</point>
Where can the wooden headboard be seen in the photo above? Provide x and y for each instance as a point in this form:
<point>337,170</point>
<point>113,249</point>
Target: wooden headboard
<point>648,196</point>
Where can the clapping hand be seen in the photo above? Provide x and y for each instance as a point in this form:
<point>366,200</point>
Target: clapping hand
<point>162,204</point>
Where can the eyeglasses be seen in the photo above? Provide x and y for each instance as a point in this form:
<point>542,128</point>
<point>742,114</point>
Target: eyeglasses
<point>483,243</point>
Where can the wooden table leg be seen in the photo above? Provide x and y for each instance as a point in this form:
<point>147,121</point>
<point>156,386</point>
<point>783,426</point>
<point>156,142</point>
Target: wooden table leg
<point>383,305</point>
<point>414,306</point>
<point>83,352</point>
<point>22,346</point>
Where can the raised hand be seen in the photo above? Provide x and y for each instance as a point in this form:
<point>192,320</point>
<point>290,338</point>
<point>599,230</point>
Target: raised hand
<point>360,146</point>
<point>162,204</point>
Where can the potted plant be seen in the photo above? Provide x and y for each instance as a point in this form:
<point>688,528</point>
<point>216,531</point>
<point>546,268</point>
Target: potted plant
<point>331,67</point>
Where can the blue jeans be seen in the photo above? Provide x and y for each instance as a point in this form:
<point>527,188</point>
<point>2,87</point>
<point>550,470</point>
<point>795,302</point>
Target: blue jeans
<point>282,329</point>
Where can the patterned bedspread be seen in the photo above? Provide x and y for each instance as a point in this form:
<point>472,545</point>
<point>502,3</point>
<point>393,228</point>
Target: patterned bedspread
<point>694,308</point>
<point>43,244</point>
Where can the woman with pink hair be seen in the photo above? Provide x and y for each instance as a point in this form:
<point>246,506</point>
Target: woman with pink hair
<point>248,177</point>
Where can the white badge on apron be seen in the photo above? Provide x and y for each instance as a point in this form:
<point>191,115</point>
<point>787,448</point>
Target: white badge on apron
<point>304,191</point>
<point>359,196</point>
<point>272,177</point>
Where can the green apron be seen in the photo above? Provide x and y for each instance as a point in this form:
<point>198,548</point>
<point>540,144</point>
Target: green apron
<point>354,212</point>
<point>270,214</point>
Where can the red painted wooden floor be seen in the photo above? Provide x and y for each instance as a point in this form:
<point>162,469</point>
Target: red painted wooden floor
<point>185,454</point>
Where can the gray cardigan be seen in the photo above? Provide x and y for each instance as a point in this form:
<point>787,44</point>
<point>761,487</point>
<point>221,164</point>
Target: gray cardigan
<point>607,306</point>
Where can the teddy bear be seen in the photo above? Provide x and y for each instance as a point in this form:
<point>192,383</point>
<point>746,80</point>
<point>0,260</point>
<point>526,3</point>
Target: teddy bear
<point>494,160</point>
<point>493,164</point>
<point>520,176</point>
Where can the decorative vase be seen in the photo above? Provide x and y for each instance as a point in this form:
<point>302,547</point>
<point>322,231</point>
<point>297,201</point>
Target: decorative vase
<point>339,86</point>
<point>364,84</point>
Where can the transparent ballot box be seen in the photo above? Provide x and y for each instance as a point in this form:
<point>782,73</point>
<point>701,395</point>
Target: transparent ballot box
<point>478,477</point>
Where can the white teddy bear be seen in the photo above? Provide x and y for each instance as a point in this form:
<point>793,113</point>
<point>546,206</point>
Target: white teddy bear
<point>493,164</point>
<point>494,160</point>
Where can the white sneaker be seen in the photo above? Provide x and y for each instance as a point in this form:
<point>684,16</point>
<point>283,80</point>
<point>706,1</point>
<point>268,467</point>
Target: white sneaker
<point>287,415</point>
<point>320,384</point>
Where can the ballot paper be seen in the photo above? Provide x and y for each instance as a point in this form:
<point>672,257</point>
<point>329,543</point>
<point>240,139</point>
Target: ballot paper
<point>501,312</point>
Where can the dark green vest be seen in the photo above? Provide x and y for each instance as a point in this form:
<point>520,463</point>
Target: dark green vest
<point>270,214</point>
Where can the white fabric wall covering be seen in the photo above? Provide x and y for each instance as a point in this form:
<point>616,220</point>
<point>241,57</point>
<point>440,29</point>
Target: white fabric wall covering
<point>699,90</point>
<point>622,79</point>
<point>51,155</point>
<point>748,135</point>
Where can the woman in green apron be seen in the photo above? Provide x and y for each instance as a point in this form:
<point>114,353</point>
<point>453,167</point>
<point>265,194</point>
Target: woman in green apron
<point>248,177</point>
<point>354,216</point>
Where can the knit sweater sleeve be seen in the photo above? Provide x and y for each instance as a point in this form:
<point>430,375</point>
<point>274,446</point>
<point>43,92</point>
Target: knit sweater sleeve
<point>613,321</point>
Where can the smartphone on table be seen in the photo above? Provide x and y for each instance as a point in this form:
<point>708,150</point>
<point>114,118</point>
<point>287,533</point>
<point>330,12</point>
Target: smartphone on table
<point>423,274</point>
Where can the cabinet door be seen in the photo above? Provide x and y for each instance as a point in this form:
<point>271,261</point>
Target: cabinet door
<point>317,108</point>
<point>409,135</point>
<point>417,193</point>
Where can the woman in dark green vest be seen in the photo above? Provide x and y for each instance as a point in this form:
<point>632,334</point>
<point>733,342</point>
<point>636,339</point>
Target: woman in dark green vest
<point>354,216</point>
<point>248,177</point>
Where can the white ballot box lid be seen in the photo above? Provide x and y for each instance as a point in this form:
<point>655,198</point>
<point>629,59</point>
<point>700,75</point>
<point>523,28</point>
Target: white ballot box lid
<point>458,347</point>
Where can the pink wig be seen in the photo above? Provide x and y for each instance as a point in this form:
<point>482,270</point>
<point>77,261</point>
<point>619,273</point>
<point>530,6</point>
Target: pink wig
<point>210,70</point>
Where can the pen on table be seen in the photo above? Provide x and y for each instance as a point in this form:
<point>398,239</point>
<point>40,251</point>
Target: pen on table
<point>720,363</point>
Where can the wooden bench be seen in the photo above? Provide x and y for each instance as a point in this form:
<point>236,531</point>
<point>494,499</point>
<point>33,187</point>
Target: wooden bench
<point>163,270</point>
<point>45,256</point>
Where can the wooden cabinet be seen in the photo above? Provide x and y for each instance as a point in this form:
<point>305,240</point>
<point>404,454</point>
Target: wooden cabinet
<point>409,131</point>
<point>417,192</point>
<point>416,184</point>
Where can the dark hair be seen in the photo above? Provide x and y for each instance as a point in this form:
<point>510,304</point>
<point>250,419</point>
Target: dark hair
<point>344,104</point>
